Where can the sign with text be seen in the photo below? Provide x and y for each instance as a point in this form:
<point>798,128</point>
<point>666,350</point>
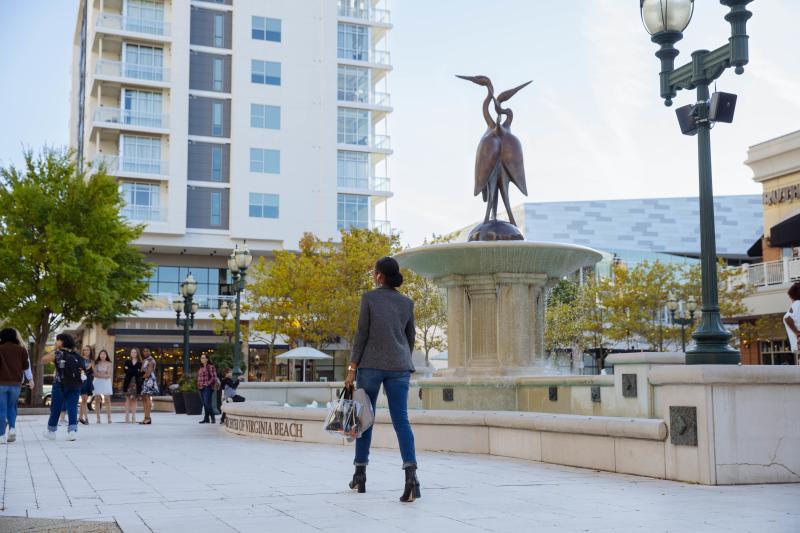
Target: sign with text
<point>277,428</point>
<point>783,194</point>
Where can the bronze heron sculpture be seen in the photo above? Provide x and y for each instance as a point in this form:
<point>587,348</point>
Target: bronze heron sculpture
<point>497,163</point>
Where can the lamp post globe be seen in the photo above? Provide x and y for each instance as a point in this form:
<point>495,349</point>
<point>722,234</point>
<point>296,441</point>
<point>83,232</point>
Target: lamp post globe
<point>177,305</point>
<point>660,16</point>
<point>232,266</point>
<point>224,310</point>
<point>672,302</point>
<point>691,305</point>
<point>243,257</point>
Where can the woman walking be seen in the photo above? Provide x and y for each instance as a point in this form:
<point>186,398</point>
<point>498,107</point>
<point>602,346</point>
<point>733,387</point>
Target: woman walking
<point>102,383</point>
<point>382,356</point>
<point>13,363</point>
<point>791,320</point>
<point>132,384</point>
<point>206,381</point>
<point>149,384</point>
<point>87,388</point>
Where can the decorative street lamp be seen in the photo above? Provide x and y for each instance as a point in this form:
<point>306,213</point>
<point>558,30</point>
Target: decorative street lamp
<point>665,20</point>
<point>224,311</point>
<point>683,321</point>
<point>189,307</point>
<point>599,307</point>
<point>238,263</point>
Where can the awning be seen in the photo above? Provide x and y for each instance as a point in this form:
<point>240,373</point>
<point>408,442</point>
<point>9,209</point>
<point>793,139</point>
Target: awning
<point>756,250</point>
<point>786,233</point>
<point>304,352</point>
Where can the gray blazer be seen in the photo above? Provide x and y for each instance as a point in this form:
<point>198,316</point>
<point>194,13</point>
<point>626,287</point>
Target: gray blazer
<point>386,333</point>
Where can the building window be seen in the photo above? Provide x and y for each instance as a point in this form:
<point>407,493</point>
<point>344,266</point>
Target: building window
<point>216,208</point>
<point>352,126</point>
<point>216,119</point>
<point>216,163</point>
<point>211,283</point>
<point>143,62</point>
<point>219,30</point>
<point>777,352</point>
<point>141,201</point>
<point>141,108</point>
<point>263,160</point>
<point>265,116</point>
<point>140,154</point>
<point>266,72</point>
<point>353,42</point>
<point>352,211</point>
<point>352,169</point>
<point>217,73</point>
<point>264,205</point>
<point>267,29</point>
<point>145,16</point>
<point>353,84</point>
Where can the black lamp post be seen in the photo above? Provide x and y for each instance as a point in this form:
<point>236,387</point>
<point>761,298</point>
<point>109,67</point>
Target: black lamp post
<point>682,320</point>
<point>665,20</point>
<point>238,263</point>
<point>189,307</point>
<point>599,308</point>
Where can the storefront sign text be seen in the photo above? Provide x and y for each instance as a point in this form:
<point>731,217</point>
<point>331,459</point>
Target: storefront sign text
<point>784,194</point>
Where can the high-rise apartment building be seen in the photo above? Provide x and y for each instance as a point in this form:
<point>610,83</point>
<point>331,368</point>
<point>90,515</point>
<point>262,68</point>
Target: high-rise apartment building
<point>226,121</point>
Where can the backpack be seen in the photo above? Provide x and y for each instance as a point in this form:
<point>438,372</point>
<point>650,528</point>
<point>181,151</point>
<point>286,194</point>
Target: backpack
<point>71,374</point>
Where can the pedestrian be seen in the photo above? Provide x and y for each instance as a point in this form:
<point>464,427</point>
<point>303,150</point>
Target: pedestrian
<point>381,355</point>
<point>206,382</point>
<point>132,384</point>
<point>13,363</point>
<point>103,372</point>
<point>149,384</point>
<point>792,320</point>
<point>66,385</point>
<point>87,388</point>
<point>229,386</point>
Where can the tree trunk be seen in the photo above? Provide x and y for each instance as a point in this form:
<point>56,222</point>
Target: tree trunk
<point>41,333</point>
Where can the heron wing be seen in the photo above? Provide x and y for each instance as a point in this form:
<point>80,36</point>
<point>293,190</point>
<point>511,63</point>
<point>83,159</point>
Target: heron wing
<point>486,159</point>
<point>511,157</point>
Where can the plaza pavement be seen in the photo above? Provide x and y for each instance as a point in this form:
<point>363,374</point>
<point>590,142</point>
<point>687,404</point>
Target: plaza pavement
<point>177,475</point>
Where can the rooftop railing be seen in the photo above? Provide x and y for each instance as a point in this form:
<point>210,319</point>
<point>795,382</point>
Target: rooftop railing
<point>114,115</point>
<point>114,21</point>
<point>119,69</point>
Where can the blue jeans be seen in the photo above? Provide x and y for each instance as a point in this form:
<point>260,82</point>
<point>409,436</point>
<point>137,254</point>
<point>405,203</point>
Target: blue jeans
<point>396,386</point>
<point>61,396</point>
<point>8,406</point>
<point>205,395</point>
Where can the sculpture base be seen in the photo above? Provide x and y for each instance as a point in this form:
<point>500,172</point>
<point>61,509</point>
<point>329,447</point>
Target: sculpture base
<point>496,230</point>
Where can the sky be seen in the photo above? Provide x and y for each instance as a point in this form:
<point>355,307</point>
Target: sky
<point>592,123</point>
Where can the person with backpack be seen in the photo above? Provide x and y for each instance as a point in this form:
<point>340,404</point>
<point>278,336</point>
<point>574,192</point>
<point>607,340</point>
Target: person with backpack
<point>67,384</point>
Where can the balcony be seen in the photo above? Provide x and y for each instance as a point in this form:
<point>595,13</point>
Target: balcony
<point>374,98</point>
<point>149,74</point>
<point>381,142</point>
<point>375,186</point>
<point>127,119</point>
<point>380,16</point>
<point>116,23</point>
<point>163,302</point>
<point>383,226</point>
<point>376,57</point>
<point>144,213</point>
<point>133,167</point>
<point>769,274</point>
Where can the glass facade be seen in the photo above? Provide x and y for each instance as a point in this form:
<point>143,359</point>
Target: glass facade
<point>264,160</point>
<point>352,211</point>
<point>142,201</point>
<point>264,205</point>
<point>265,116</point>
<point>265,72</point>
<point>144,62</point>
<point>353,84</point>
<point>266,29</point>
<point>352,126</point>
<point>211,283</point>
<point>353,42</point>
<point>141,108</point>
<point>352,169</point>
<point>140,154</point>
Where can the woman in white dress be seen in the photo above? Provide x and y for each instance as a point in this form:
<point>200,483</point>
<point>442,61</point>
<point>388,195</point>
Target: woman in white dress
<point>102,383</point>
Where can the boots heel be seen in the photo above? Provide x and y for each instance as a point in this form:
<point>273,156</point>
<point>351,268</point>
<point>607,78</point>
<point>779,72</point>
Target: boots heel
<point>411,490</point>
<point>359,479</point>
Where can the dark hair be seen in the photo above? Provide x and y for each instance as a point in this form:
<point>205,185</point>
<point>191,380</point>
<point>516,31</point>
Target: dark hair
<point>391,271</point>
<point>9,335</point>
<point>67,340</point>
<point>794,291</point>
<point>103,351</point>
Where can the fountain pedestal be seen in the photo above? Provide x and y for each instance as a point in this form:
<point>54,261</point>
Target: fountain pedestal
<point>496,299</point>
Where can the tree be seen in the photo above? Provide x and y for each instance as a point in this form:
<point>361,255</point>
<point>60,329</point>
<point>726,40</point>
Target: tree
<point>66,255</point>
<point>430,305</point>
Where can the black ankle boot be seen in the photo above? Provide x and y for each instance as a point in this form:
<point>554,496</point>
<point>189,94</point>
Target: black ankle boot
<point>204,420</point>
<point>360,479</point>
<point>213,420</point>
<point>411,490</point>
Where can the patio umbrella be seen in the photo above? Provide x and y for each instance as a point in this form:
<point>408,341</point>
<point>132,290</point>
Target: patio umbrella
<point>303,353</point>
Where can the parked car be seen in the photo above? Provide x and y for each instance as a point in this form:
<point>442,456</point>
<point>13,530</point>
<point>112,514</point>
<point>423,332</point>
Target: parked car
<point>47,392</point>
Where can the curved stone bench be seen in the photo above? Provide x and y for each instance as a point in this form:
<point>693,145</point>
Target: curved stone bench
<point>625,445</point>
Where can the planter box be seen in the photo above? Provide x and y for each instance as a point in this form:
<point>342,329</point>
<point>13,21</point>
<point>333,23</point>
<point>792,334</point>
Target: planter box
<point>180,406</point>
<point>194,406</point>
